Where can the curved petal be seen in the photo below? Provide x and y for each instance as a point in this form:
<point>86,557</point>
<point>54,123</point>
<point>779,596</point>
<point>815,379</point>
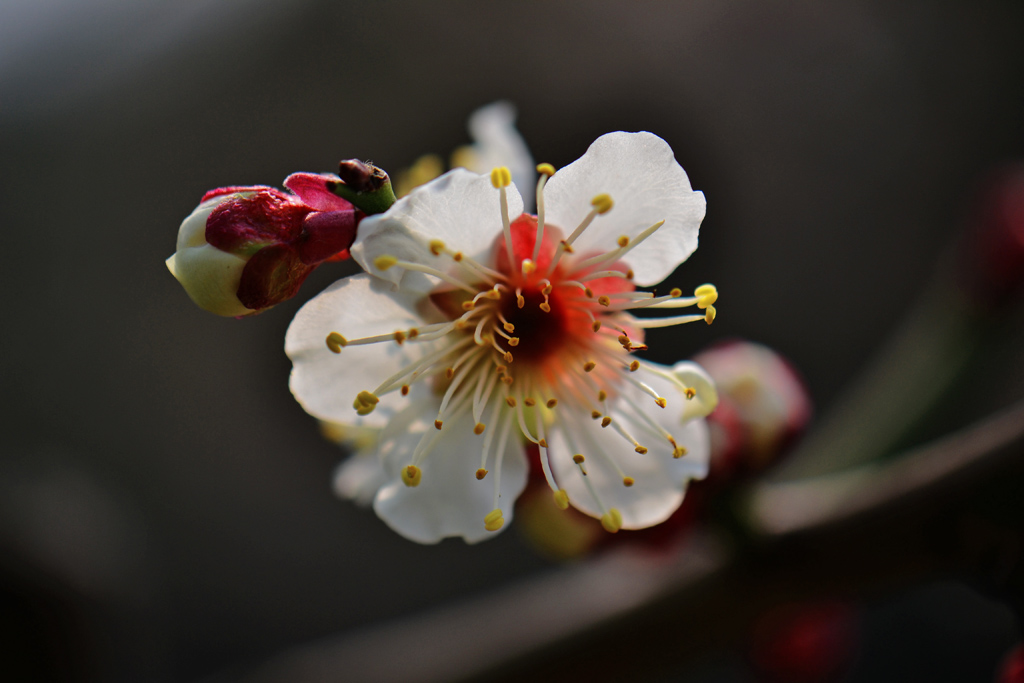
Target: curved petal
<point>647,185</point>
<point>660,480</point>
<point>326,383</point>
<point>462,209</point>
<point>706,397</point>
<point>498,143</point>
<point>311,188</point>
<point>449,500</point>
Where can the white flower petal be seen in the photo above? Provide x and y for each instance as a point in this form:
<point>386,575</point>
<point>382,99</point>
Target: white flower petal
<point>647,185</point>
<point>498,143</point>
<point>462,209</point>
<point>450,500</point>
<point>359,478</point>
<point>659,479</point>
<point>326,383</point>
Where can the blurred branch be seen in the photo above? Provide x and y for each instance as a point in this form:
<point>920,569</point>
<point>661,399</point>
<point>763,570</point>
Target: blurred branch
<point>846,533</point>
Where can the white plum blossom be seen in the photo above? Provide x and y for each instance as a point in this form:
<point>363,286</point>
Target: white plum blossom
<point>478,331</point>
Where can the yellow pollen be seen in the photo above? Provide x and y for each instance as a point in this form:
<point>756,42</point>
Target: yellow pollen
<point>690,393</point>
<point>628,481</point>
<point>494,520</point>
<point>679,452</point>
<point>399,337</point>
<point>335,341</point>
<point>514,341</point>
<point>562,499</point>
<point>578,459</point>
<point>520,301</point>
<point>508,356</point>
<point>642,450</point>
<point>547,290</point>
<point>501,177</point>
<point>481,473</point>
<point>528,266</point>
<point>552,402</point>
<point>457,256</point>
<point>543,443</point>
<point>634,366</point>
<point>604,300</point>
<point>413,333</point>
<point>493,294</point>
<point>623,241</point>
<point>411,476</point>
<point>606,421</point>
<point>594,415</point>
<point>479,428</point>
<point>511,401</point>
<point>676,292</point>
<point>365,402</point>
<point>661,402</point>
<point>709,315</point>
<point>596,326</point>
<point>383,262</point>
<point>468,305</point>
<point>546,169</point>
<point>630,274</point>
<point>624,340</point>
<point>546,307</point>
<point>708,294</point>
<point>507,379</point>
<point>589,365</point>
<point>509,327</point>
<point>602,395</point>
<point>602,203</point>
<point>438,424</point>
<point>529,402</point>
<point>405,390</point>
<point>611,520</point>
<point>436,247</point>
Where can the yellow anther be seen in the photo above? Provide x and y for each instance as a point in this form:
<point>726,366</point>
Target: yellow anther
<point>543,443</point>
<point>588,292</point>
<point>413,333</point>
<point>676,292</point>
<point>602,395</point>
<point>436,247</point>
<point>405,390</point>
<point>520,301</point>
<point>624,340</point>
<point>612,520</point>
<point>606,421</point>
<point>547,290</point>
<point>457,256</point>
<point>509,327</point>
<point>508,356</point>
<point>494,519</point>
<point>634,366</point>
<point>623,241</point>
<point>594,414</point>
<point>546,169</point>
<point>528,266</point>
<point>438,424</point>
<point>449,373</point>
<point>578,459</point>
<point>604,300</point>
<point>383,262</point>
<point>400,337</point>
<point>596,326</point>
<point>546,307</point>
<point>642,450</point>
<point>365,402</point>
<point>690,393</point>
<point>481,473</point>
<point>660,402</point>
<point>335,341</point>
<point>589,365</point>
<point>630,274</point>
<point>709,315</point>
<point>562,499</point>
<point>552,402</point>
<point>501,177</point>
<point>479,428</point>
<point>511,401</point>
<point>529,402</point>
<point>602,203</point>
<point>514,341</point>
<point>468,305</point>
<point>678,452</point>
<point>411,475</point>
<point>493,294</point>
<point>566,247</point>
<point>507,379</point>
<point>628,481</point>
<point>705,290</point>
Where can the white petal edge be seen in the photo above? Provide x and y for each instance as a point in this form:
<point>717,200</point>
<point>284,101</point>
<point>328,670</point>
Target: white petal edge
<point>461,208</point>
<point>647,185</point>
<point>498,143</point>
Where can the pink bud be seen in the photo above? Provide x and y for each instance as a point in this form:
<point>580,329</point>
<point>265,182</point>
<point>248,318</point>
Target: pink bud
<point>245,249</point>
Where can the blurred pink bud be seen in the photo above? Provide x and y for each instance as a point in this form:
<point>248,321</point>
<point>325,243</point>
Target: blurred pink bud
<point>993,260</point>
<point>805,643</point>
<point>763,407</point>
<point>1011,670</point>
<point>245,249</point>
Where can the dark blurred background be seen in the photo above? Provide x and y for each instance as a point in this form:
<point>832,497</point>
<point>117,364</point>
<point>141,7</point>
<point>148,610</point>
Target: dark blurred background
<point>165,505</point>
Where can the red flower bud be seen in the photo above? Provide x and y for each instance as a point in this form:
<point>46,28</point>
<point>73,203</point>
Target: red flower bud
<point>245,249</point>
